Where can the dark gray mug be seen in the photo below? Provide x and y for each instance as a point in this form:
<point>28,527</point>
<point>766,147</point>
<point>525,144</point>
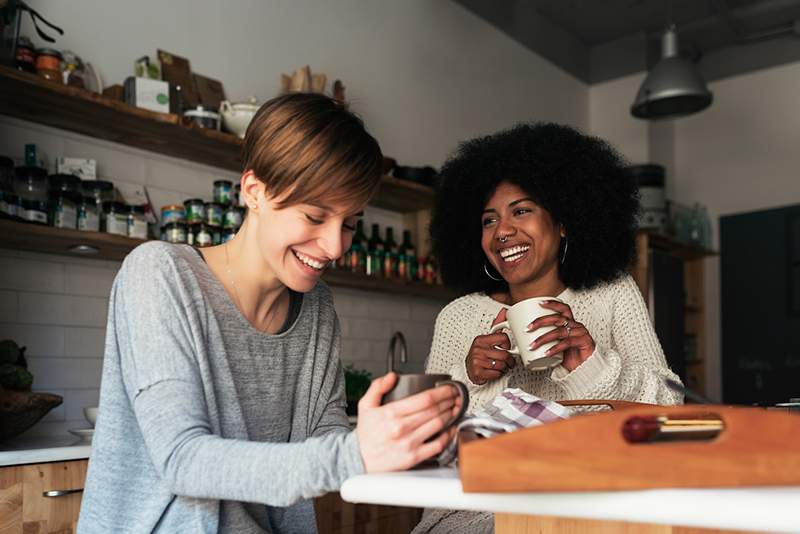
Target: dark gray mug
<point>412,384</point>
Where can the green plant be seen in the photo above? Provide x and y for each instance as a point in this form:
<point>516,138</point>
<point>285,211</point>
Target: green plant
<point>356,382</point>
<point>14,372</point>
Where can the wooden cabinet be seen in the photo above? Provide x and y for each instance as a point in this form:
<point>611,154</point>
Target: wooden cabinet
<point>334,516</point>
<point>41,498</point>
<point>694,329</point>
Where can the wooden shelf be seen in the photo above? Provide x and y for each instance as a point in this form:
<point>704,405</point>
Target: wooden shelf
<point>49,240</point>
<point>30,97</point>
<point>687,251</point>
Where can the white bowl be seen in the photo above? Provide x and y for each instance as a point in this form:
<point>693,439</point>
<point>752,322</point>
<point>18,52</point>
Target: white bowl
<point>91,414</point>
<point>236,117</point>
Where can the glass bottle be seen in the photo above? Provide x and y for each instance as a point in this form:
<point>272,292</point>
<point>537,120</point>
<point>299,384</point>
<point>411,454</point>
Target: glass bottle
<point>407,258</point>
<point>390,254</point>
<point>375,252</point>
<point>357,255</point>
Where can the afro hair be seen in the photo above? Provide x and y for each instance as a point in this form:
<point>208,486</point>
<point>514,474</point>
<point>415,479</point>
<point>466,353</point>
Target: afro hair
<point>580,180</point>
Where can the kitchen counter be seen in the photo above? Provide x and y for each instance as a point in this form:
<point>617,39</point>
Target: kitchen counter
<point>18,451</point>
<point>762,509</point>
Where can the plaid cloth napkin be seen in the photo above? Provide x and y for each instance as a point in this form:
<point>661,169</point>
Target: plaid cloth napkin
<point>511,410</point>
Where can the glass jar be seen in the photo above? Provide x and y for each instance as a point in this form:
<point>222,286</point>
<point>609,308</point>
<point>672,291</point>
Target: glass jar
<point>137,222</point>
<point>9,205</point>
<point>33,211</point>
<point>233,217</point>
<point>88,215</point>
<point>64,182</point>
<point>6,174</point>
<point>191,233</point>
<point>216,234</point>
<point>213,214</point>
<point>48,64</point>
<point>30,183</point>
<point>203,237</point>
<point>174,232</point>
<point>99,190</point>
<point>172,213</point>
<point>195,210</point>
<point>25,55</point>
<point>228,234</point>
<point>115,218</point>
<point>64,209</point>
<point>223,192</point>
<point>237,196</point>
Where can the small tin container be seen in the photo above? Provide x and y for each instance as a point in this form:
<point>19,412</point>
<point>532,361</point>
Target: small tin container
<point>88,216</point>
<point>228,234</point>
<point>195,210</point>
<point>174,232</point>
<point>115,218</point>
<point>233,217</point>
<point>33,211</point>
<point>64,209</point>
<point>137,223</point>
<point>172,213</point>
<point>213,214</point>
<point>223,192</point>
<point>204,237</point>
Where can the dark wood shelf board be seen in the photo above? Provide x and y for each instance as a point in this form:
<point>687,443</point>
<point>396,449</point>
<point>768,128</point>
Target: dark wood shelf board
<point>46,239</point>
<point>687,251</point>
<point>404,196</point>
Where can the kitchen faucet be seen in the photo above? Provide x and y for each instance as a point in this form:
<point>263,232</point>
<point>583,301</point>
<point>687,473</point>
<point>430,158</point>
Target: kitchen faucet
<point>397,337</point>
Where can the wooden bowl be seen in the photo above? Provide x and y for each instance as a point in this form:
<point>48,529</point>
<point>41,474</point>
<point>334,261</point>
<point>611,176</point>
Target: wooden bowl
<point>20,410</point>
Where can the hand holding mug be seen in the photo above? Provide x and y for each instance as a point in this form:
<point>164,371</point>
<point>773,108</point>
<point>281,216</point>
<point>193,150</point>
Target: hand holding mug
<point>566,335</point>
<point>397,435</point>
<point>488,358</point>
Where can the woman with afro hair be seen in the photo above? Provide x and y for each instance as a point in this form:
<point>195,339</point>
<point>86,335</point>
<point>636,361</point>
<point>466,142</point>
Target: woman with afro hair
<point>544,210</point>
<point>541,210</point>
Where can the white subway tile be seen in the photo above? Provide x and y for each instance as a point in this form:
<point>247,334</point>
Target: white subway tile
<point>67,310</point>
<point>414,331</point>
<point>65,373</point>
<point>112,164</point>
<point>355,349</point>
<point>31,275</point>
<point>426,310</point>
<point>349,304</point>
<point>370,329</point>
<point>344,325</point>
<point>9,306</point>
<point>89,281</point>
<point>388,306</point>
<point>84,342</point>
<point>39,340</point>
<point>75,400</point>
<point>191,181</point>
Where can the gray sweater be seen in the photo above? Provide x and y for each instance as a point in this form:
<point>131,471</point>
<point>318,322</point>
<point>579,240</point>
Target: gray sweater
<point>205,423</point>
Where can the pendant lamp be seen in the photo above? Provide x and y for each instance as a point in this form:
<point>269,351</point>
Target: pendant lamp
<point>673,88</point>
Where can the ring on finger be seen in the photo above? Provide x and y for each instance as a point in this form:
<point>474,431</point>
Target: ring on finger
<point>565,323</point>
<point>494,362</point>
<point>568,330</point>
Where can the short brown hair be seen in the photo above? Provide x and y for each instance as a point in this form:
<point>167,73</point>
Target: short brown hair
<point>310,147</point>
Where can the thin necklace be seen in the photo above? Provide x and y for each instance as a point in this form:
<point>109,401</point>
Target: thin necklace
<point>274,311</point>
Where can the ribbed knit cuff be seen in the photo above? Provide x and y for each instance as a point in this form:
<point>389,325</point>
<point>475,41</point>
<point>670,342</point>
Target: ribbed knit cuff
<point>459,372</point>
<point>353,462</point>
<point>580,382</point>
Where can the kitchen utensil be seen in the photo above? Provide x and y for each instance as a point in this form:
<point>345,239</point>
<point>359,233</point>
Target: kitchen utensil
<point>203,118</point>
<point>90,412</point>
<point>237,116</point>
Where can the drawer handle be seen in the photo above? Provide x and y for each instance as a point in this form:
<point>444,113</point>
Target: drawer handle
<point>61,493</point>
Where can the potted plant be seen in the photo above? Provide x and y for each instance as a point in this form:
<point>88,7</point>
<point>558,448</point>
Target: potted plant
<point>356,383</point>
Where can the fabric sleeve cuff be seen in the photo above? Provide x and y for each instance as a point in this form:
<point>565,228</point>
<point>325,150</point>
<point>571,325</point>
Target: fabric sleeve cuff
<point>459,372</point>
<point>579,383</point>
<point>354,463</point>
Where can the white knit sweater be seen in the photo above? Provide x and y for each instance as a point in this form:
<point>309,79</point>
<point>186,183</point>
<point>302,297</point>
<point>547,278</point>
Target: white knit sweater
<point>627,364</point>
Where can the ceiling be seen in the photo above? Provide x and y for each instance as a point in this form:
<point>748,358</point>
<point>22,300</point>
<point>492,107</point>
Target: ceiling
<point>598,40</point>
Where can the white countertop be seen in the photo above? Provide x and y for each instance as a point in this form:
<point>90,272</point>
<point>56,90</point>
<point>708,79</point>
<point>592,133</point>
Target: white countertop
<point>18,451</point>
<point>762,509</point>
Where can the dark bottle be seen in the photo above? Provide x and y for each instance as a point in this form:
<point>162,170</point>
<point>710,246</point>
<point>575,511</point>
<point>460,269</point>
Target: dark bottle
<point>390,254</point>
<point>375,251</point>
<point>357,255</point>
<point>407,258</point>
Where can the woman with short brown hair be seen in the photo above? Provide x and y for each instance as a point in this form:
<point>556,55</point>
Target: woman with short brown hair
<point>222,399</point>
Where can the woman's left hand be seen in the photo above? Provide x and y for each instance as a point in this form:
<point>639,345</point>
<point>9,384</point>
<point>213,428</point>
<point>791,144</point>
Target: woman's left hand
<point>572,337</point>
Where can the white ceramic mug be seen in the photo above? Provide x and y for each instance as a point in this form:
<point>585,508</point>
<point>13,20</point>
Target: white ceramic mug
<point>518,317</point>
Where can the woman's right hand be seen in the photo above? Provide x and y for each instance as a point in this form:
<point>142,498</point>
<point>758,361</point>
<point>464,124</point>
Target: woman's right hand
<point>485,361</point>
<point>395,436</point>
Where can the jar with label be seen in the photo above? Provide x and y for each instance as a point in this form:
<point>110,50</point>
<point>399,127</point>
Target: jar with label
<point>238,199</point>
<point>64,182</point>
<point>195,210</point>
<point>137,223</point>
<point>33,211</point>
<point>88,215</point>
<point>64,209</point>
<point>216,234</point>
<point>115,218</point>
<point>174,232</point>
<point>9,205</point>
<point>213,214</point>
<point>25,56</point>
<point>30,183</point>
<point>48,64</point>
<point>172,213</point>
<point>223,192</point>
<point>227,234</point>
<point>233,217</point>
<point>100,190</point>
<point>204,237</point>
<point>191,233</point>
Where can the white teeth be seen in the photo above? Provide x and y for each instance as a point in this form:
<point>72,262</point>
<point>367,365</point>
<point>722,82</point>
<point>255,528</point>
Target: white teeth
<point>514,253</point>
<point>314,264</point>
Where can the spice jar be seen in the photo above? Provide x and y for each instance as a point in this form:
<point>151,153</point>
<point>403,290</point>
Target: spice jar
<point>213,214</point>
<point>64,182</point>
<point>25,57</point>
<point>33,211</point>
<point>137,223</point>
<point>9,204</point>
<point>216,234</point>
<point>64,209</point>
<point>174,232</point>
<point>195,210</point>
<point>203,237</point>
<point>223,192</point>
<point>233,217</point>
<point>115,218</point>
<point>6,174</point>
<point>88,215</point>
<point>99,190</point>
<point>48,64</point>
<point>172,213</point>
<point>228,234</point>
<point>30,183</point>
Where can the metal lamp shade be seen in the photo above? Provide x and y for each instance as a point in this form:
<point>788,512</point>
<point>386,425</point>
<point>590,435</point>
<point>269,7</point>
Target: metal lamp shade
<point>673,87</point>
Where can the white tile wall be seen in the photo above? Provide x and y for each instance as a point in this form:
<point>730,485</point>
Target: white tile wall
<point>56,306</point>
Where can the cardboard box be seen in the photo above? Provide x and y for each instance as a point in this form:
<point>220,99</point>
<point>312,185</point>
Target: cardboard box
<point>85,169</point>
<point>148,94</point>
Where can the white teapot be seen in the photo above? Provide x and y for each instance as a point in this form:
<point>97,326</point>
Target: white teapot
<point>236,117</point>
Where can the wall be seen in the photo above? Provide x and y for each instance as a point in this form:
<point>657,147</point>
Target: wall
<point>423,74</point>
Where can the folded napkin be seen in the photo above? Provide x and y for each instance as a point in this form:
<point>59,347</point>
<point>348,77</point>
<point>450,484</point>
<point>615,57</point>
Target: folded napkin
<point>509,411</point>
